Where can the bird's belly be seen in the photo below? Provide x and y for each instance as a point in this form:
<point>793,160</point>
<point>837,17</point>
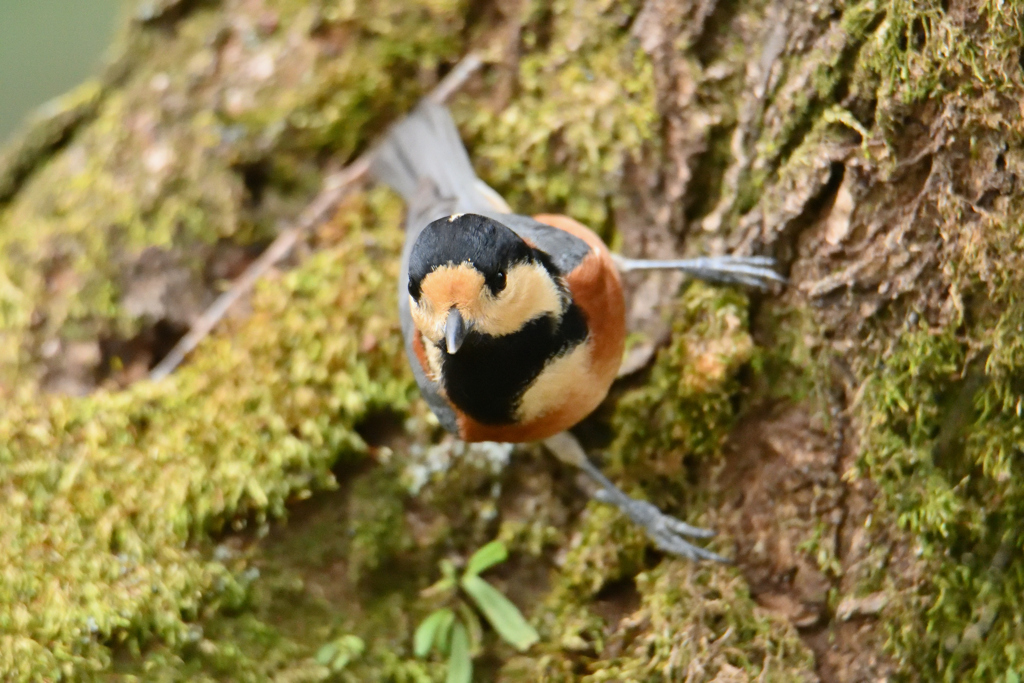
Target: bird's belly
<point>566,385</point>
<point>567,390</point>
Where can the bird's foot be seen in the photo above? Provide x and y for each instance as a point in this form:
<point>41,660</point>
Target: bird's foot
<point>753,271</point>
<point>667,532</point>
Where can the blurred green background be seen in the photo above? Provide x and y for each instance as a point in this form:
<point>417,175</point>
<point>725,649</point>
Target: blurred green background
<point>46,48</point>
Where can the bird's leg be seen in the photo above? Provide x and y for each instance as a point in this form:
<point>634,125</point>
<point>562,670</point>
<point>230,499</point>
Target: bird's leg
<point>667,532</point>
<point>755,271</point>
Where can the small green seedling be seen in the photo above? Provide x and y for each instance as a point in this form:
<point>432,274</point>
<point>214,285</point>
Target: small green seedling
<point>454,630</point>
<point>338,654</point>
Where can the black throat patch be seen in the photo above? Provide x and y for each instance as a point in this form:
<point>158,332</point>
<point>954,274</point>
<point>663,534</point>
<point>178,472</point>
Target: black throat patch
<point>487,378</point>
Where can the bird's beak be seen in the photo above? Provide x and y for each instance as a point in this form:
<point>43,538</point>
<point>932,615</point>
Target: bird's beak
<point>455,329</point>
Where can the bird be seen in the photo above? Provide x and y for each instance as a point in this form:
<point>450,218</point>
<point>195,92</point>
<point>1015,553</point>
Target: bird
<point>515,325</point>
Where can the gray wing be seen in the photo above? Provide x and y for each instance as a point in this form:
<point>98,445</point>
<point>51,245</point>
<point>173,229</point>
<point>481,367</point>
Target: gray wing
<point>430,389</point>
<point>566,250</point>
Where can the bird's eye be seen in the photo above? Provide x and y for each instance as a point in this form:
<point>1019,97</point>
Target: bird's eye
<point>414,290</point>
<point>498,282</point>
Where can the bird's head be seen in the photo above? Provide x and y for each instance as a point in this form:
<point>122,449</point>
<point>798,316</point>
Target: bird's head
<point>470,275</point>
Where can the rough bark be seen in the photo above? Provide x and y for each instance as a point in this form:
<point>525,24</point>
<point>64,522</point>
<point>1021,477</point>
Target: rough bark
<point>284,497</point>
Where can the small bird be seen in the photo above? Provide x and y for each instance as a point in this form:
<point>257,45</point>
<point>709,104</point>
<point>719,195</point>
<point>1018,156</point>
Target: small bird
<point>515,326</point>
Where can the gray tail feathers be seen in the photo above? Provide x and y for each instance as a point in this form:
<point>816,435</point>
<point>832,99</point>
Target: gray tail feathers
<point>424,160</point>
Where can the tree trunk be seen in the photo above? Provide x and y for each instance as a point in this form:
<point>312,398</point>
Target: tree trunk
<point>855,436</point>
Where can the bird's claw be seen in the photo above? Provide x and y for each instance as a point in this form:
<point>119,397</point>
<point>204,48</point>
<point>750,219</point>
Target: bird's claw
<point>666,531</point>
<point>753,271</point>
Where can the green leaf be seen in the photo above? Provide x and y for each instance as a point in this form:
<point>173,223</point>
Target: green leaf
<point>325,655</point>
<point>433,629</point>
<point>339,653</point>
<point>505,617</point>
<point>349,648</point>
<point>442,640</point>
<point>470,618</point>
<point>460,666</point>
<point>486,557</point>
<point>1012,677</point>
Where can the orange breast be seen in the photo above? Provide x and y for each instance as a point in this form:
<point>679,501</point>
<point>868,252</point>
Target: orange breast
<point>581,386</point>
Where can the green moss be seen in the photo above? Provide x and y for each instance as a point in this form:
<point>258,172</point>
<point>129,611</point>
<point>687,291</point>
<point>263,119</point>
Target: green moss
<point>585,105</point>
<point>923,50</point>
<point>127,517</point>
<point>50,127</point>
<point>802,107</point>
<point>942,431</point>
<point>135,179</point>
<point>109,500</point>
<point>700,623</point>
<point>686,620</point>
<point>685,407</point>
<point>906,401</point>
<point>790,361</point>
<point>940,408</point>
<point>377,522</point>
<point>608,617</point>
<point>881,58</point>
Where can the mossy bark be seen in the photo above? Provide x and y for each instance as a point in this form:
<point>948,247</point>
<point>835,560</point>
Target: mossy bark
<point>856,437</point>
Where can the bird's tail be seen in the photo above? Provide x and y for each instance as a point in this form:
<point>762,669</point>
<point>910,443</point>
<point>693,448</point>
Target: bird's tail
<point>424,160</point>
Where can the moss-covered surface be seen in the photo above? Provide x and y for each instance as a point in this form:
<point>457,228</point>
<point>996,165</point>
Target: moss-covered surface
<point>943,434</point>
<point>108,532</point>
<point>584,105</point>
<point>275,508</point>
<point>212,134</point>
<point>939,370</point>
